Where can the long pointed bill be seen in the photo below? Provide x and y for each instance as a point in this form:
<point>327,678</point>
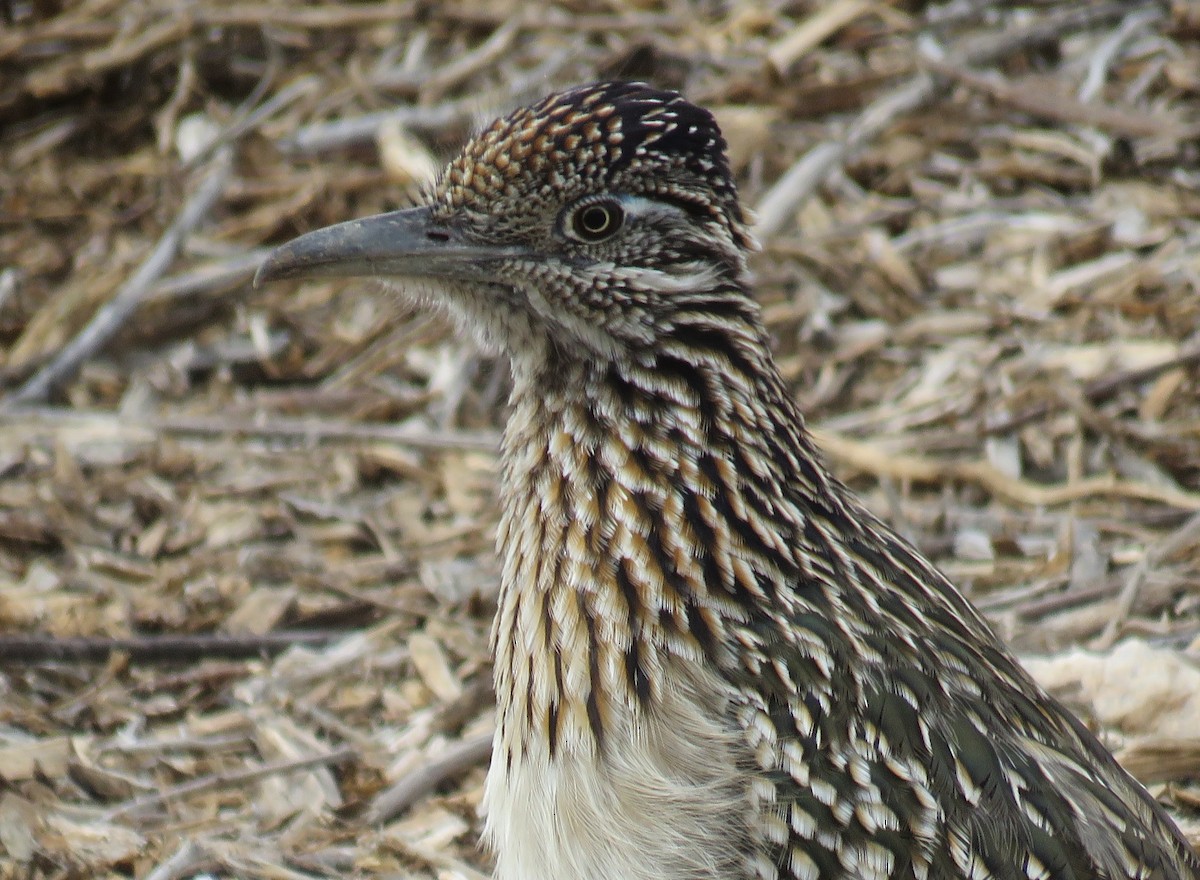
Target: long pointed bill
<point>406,243</point>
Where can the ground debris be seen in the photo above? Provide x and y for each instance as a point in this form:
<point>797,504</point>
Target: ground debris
<point>246,574</point>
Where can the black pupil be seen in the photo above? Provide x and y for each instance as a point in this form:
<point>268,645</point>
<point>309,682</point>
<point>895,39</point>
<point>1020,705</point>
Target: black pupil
<point>595,220</point>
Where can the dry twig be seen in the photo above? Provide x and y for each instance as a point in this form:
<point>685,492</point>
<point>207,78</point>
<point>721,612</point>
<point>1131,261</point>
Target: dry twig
<point>780,202</point>
<point>153,649</point>
<point>111,317</point>
<point>216,781</point>
<point>1187,535</point>
<point>452,761</point>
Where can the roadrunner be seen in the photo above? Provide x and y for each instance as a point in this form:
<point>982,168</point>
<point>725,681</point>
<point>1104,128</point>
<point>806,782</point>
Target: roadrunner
<point>712,663</point>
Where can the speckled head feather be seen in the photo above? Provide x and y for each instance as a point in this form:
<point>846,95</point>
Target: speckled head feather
<point>588,225</point>
<point>604,137</point>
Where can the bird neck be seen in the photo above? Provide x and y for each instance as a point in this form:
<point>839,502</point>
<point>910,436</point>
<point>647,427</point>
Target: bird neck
<point>643,518</point>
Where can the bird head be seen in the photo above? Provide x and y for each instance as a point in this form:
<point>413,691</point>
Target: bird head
<point>601,219</point>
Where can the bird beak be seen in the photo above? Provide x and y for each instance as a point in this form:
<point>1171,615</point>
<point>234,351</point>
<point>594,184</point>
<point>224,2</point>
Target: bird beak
<point>408,243</point>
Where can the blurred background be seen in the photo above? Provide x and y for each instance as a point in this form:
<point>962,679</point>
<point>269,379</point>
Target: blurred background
<point>246,570</point>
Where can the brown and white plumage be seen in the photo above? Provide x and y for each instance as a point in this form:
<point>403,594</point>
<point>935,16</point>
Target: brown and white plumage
<point>711,660</point>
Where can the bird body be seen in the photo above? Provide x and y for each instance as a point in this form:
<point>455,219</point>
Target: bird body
<point>712,663</point>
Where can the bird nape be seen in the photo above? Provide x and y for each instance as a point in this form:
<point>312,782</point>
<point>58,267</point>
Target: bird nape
<point>711,660</point>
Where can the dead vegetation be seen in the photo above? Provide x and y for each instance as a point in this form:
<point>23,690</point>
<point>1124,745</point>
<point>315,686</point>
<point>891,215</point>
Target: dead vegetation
<point>245,536</point>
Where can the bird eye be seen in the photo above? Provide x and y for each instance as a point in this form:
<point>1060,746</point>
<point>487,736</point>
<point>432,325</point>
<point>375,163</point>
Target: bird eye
<point>597,221</point>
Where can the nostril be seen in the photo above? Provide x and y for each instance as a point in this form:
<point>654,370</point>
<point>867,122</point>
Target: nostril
<point>434,235</point>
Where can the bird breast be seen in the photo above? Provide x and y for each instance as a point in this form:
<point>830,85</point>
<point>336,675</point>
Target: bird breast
<point>617,755</point>
<point>665,797</point>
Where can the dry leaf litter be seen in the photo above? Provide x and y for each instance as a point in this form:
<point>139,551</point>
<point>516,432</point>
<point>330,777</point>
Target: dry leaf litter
<point>246,574</point>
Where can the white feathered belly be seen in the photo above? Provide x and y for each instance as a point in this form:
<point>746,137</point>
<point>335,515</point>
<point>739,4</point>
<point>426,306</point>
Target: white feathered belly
<point>667,798</point>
